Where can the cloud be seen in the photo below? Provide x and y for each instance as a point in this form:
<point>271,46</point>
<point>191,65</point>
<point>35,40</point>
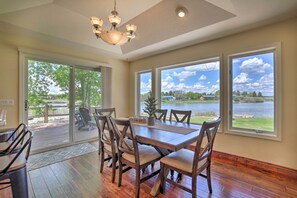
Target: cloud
<point>254,65</point>
<point>208,82</point>
<point>265,84</point>
<point>167,83</point>
<point>184,75</point>
<point>213,89</point>
<point>146,87</point>
<point>202,77</point>
<point>242,78</point>
<point>204,67</point>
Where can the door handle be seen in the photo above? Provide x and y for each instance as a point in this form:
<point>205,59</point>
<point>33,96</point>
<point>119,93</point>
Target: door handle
<point>26,105</point>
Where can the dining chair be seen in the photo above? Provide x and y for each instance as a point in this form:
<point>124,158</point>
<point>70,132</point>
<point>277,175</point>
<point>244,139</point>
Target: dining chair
<point>13,168</point>
<point>136,156</point>
<point>192,163</point>
<point>106,144</point>
<point>180,116</point>
<point>161,114</point>
<point>106,111</point>
<point>11,142</point>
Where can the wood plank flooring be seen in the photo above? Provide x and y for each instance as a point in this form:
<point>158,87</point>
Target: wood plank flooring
<point>80,177</point>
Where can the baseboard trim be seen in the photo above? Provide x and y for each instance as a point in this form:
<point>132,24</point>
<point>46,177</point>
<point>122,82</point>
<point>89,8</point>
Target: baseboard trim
<point>264,167</point>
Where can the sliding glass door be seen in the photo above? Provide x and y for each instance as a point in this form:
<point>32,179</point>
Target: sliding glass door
<point>87,98</point>
<point>60,102</point>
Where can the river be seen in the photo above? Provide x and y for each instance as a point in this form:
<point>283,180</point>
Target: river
<point>264,109</point>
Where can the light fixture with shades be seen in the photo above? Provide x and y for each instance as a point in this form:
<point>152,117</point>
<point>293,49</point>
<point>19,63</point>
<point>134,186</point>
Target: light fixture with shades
<point>113,36</point>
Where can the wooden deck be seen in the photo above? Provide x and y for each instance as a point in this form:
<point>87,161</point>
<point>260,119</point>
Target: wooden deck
<point>80,177</point>
<point>57,133</point>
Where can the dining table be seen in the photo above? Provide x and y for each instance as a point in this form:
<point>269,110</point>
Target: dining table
<point>166,137</point>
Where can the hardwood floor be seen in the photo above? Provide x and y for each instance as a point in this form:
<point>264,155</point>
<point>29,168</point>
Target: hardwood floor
<point>80,177</point>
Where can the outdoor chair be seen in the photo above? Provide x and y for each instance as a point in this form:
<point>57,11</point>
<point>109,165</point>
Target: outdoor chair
<point>192,163</point>
<point>135,156</point>
<point>106,111</point>
<point>13,168</point>
<point>161,114</point>
<point>180,116</point>
<point>84,118</point>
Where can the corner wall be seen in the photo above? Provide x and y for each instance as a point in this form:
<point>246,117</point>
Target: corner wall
<point>281,153</point>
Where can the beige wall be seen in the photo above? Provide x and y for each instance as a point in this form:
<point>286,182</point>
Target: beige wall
<point>9,70</point>
<point>281,153</point>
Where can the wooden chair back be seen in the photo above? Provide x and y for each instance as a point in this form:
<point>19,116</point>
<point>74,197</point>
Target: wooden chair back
<point>106,136</point>
<point>106,111</point>
<point>208,131</point>
<point>123,129</point>
<point>180,116</point>
<point>161,114</point>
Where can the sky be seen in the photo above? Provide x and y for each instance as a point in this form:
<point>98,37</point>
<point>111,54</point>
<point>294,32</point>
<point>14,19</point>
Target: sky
<point>250,73</point>
<point>254,73</point>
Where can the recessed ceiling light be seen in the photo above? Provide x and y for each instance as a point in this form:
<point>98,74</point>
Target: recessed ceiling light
<point>181,12</point>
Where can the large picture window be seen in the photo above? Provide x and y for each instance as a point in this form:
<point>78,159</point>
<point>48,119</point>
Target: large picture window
<point>145,88</point>
<point>253,92</point>
<point>193,87</point>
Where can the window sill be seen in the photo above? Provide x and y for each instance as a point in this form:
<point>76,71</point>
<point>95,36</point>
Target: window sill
<point>273,137</point>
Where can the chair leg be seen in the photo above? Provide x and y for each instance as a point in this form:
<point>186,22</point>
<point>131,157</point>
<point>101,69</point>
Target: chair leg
<point>19,183</point>
<point>179,177</point>
<point>171,174</point>
<point>163,178</point>
<point>194,186</point>
<point>120,172</point>
<point>101,160</point>
<point>209,179</point>
<point>113,168</point>
<point>153,164</point>
<point>137,181</point>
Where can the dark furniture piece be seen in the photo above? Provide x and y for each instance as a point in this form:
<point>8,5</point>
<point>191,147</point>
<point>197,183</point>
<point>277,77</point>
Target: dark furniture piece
<point>13,167</point>
<point>84,118</point>
<point>161,114</point>
<point>11,142</point>
<point>135,156</point>
<point>166,140</point>
<point>106,144</point>
<point>180,116</point>
<point>192,163</point>
<point>106,112</point>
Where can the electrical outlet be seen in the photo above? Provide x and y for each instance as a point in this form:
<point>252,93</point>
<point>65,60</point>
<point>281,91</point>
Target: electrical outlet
<point>6,102</point>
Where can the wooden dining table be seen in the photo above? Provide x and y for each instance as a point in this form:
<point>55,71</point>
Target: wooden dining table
<point>166,137</point>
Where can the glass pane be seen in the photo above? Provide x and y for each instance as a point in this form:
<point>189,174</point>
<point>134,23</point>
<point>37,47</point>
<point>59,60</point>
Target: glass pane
<point>253,92</point>
<point>145,89</point>
<point>87,97</point>
<point>48,99</point>
<point>194,87</point>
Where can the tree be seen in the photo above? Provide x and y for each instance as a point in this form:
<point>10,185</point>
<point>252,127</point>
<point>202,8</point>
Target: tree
<point>260,94</point>
<point>254,94</point>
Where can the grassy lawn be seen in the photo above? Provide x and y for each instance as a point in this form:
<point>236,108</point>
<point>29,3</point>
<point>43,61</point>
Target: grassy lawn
<point>264,124</point>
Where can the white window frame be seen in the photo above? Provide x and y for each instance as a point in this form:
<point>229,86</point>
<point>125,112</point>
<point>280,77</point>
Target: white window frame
<point>185,64</point>
<point>276,49</point>
<point>137,92</point>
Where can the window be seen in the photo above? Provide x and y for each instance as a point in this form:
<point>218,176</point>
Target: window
<point>193,87</point>
<point>253,93</point>
<point>145,88</point>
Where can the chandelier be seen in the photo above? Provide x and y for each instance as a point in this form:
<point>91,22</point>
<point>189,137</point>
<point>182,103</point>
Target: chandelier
<point>113,36</point>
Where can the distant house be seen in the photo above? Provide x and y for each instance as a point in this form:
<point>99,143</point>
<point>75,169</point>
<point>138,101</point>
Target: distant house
<point>170,98</point>
<point>207,97</point>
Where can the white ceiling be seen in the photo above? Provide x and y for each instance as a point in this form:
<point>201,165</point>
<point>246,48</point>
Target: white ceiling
<point>159,29</point>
